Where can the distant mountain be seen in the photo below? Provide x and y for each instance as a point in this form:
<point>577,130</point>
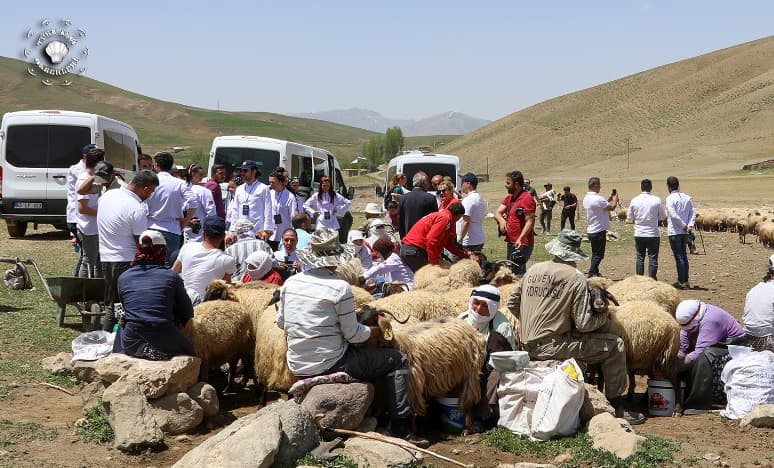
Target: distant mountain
<point>448,123</point>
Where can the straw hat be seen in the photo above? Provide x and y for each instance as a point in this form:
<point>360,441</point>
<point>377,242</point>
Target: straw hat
<point>373,208</point>
<point>566,246</point>
<point>325,250</point>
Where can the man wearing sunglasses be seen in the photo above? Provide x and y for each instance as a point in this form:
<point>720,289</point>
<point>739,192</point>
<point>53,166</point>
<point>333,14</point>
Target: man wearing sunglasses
<point>251,201</point>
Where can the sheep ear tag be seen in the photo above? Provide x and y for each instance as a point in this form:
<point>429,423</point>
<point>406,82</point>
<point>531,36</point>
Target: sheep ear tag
<point>387,334</point>
<point>386,327</point>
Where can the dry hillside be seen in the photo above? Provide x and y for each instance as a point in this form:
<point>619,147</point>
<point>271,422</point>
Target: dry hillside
<point>707,115</point>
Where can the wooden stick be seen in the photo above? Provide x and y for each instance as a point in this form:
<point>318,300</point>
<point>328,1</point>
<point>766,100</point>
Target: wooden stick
<point>399,443</point>
<point>61,389</point>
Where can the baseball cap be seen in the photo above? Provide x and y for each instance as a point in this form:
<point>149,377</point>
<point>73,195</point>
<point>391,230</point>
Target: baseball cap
<point>102,172</point>
<point>471,178</point>
<point>87,148</point>
<point>548,185</point>
<point>250,164</point>
<point>214,226</point>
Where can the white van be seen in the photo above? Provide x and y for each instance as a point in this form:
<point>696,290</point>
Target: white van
<point>308,163</point>
<point>37,148</point>
<point>431,164</point>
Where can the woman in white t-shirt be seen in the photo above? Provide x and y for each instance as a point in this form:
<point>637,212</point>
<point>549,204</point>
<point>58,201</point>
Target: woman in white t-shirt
<point>286,259</point>
<point>198,263</point>
<point>326,205</point>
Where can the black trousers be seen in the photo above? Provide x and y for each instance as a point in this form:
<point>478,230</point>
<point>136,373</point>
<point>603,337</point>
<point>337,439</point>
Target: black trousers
<point>598,242</point>
<point>568,215</point>
<point>700,378</point>
<point>111,271</point>
<point>414,257</point>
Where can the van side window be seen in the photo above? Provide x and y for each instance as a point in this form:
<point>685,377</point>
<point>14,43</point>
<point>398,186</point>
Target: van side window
<point>119,149</point>
<point>40,146</point>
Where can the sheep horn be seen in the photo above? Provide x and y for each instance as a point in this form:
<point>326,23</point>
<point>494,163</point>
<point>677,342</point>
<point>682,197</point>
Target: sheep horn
<point>610,297</point>
<point>367,311</point>
<point>275,297</point>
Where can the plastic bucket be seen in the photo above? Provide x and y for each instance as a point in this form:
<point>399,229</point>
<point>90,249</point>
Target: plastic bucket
<point>452,419</point>
<point>661,397</point>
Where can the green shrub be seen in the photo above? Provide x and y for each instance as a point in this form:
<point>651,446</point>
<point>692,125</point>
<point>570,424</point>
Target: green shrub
<point>95,427</point>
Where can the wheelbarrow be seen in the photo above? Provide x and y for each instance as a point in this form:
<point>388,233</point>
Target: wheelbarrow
<point>86,294</point>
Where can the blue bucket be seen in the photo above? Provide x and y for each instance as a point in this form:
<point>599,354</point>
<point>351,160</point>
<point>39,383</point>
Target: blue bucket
<point>452,418</point>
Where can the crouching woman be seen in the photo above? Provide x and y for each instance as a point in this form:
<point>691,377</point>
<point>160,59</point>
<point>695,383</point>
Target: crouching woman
<point>484,316</point>
<point>154,303</point>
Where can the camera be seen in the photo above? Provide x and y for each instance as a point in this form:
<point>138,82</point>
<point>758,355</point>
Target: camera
<point>615,192</point>
<point>196,225</point>
<point>519,211</point>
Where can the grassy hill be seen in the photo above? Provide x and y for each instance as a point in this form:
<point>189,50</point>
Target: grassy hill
<point>163,124</point>
<point>707,115</point>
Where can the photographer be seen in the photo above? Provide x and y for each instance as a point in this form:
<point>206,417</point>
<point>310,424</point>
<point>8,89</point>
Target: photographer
<point>598,215</point>
<point>516,219</point>
<point>286,259</point>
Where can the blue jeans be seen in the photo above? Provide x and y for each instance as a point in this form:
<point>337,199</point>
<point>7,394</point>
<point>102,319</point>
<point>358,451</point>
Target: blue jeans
<point>679,244</point>
<point>598,242</point>
<point>649,245</point>
<point>526,253</point>
<point>174,242</point>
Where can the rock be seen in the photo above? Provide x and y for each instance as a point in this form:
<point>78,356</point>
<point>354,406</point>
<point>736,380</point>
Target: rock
<point>563,458</point>
<point>525,465</point>
<point>182,438</point>
<point>299,432</point>
<point>344,405</point>
<point>155,378</point>
<point>367,452</point>
<point>176,413</point>
<point>85,371</point>
<point>594,403</point>
<point>760,416</point>
<point>711,456</point>
<point>59,364</point>
<point>613,435</point>
<point>368,425</point>
<point>91,394</point>
<point>253,440</point>
<point>206,396</point>
<point>131,418</point>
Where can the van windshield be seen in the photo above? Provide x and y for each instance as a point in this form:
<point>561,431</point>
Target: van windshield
<point>430,169</point>
<point>40,146</point>
<point>230,157</point>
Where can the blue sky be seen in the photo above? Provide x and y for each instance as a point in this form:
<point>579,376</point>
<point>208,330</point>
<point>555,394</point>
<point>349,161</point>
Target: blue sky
<point>404,59</point>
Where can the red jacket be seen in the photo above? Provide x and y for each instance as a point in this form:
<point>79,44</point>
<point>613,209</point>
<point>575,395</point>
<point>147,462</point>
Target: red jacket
<point>433,233</point>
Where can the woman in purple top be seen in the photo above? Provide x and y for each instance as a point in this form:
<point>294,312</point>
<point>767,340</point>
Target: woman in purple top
<point>705,331</point>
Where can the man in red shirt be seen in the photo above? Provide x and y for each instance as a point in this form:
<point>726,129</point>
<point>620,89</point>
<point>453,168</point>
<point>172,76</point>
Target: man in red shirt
<point>431,234</point>
<point>516,219</point>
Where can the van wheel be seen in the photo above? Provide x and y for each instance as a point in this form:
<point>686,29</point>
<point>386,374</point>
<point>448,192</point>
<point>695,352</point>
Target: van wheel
<point>16,228</point>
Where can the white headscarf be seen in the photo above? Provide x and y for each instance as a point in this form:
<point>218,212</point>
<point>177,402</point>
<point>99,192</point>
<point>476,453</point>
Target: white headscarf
<point>490,296</point>
<point>689,313</point>
<point>261,261</point>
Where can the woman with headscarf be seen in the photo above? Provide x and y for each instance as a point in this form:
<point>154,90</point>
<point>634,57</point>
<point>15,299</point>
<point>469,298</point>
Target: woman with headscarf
<point>259,268</point>
<point>705,331</point>
<point>155,305</point>
<point>362,249</point>
<point>484,315</point>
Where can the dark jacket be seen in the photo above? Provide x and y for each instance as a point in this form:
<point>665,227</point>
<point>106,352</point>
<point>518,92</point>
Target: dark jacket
<point>412,207</point>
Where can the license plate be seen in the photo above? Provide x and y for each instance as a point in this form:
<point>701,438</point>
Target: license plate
<point>28,205</point>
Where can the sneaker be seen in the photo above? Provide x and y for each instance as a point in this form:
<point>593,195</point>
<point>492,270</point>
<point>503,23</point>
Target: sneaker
<point>692,412</point>
<point>420,442</point>
<point>632,417</point>
<point>681,285</point>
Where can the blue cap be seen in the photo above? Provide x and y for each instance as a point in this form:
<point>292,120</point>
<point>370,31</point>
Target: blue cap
<point>471,178</point>
<point>88,147</point>
<point>250,164</point>
<point>214,226</point>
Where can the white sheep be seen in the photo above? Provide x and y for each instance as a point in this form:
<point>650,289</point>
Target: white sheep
<point>635,288</point>
<point>221,332</point>
<point>428,275</point>
<point>418,304</point>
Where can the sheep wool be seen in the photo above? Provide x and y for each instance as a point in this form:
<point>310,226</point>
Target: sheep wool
<point>361,296</point>
<point>645,288</point>
<point>421,305</point>
<point>427,275</point>
<point>271,348</point>
<point>221,332</point>
<point>350,271</point>
<point>464,273</point>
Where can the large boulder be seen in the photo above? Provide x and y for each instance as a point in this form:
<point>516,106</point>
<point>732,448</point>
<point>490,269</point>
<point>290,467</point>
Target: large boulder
<point>760,416</point>
<point>176,413</point>
<point>59,364</point>
<point>299,432</point>
<point>131,418</point>
<point>85,371</point>
<point>614,435</point>
<point>594,403</point>
<point>368,452</point>
<point>253,441</point>
<point>155,378</point>
<point>207,397</point>
<point>343,405</point>
<point>91,394</point>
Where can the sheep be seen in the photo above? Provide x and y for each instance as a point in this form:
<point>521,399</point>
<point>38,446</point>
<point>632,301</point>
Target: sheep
<point>445,355</point>
<point>361,296</point>
<point>766,233</point>
<point>742,228</point>
<point>421,305</point>
<point>645,288</point>
<point>270,358</point>
<point>221,332</point>
<point>351,271</point>
<point>426,275</point>
<point>464,273</point>
<point>652,339</point>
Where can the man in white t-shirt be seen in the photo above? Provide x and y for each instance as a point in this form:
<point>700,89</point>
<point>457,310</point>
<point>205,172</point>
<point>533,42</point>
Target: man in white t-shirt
<point>598,216</point>
<point>646,210</point>
<point>470,229</point>
<point>547,201</point>
<point>198,263</point>
<point>72,200</point>
<point>97,173</point>
<point>121,218</point>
